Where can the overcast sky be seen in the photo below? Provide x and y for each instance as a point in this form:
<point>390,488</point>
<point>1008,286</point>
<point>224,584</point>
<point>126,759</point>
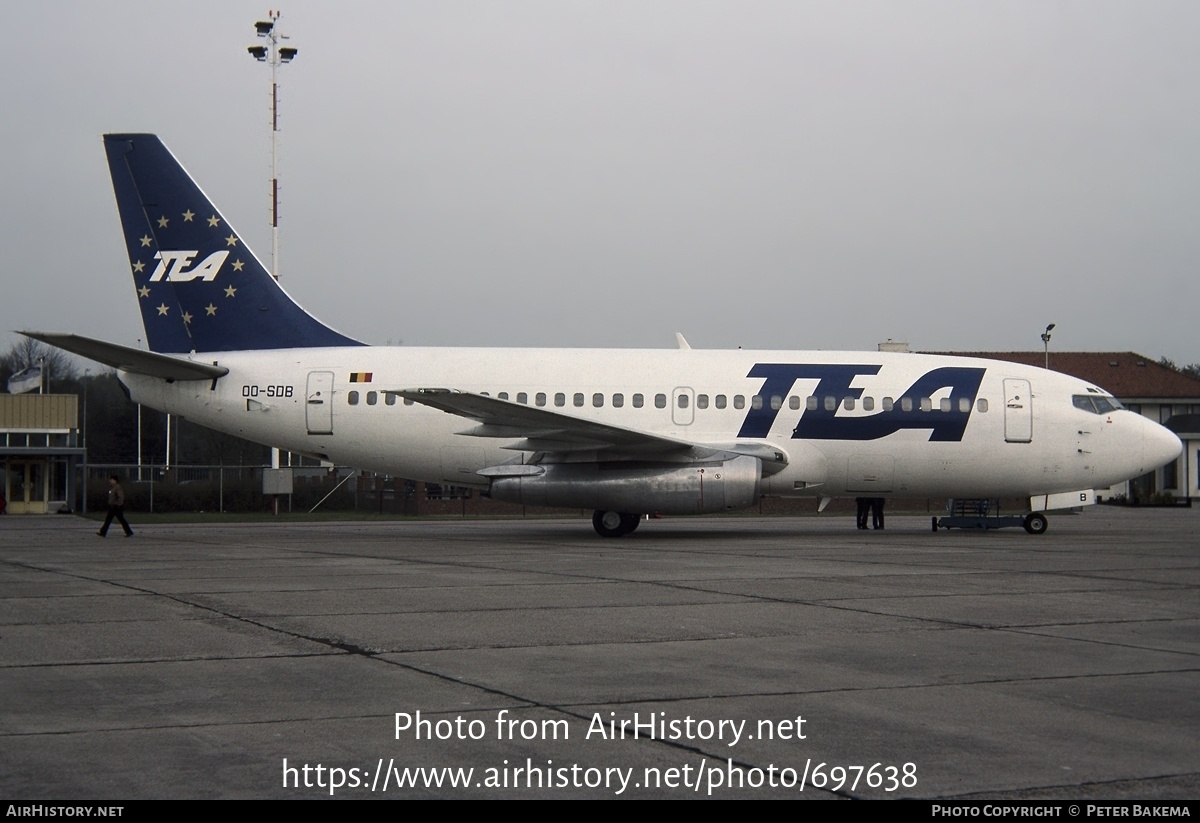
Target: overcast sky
<point>799,175</point>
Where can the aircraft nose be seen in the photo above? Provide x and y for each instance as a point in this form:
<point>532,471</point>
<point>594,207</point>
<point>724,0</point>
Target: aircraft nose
<point>1159,445</point>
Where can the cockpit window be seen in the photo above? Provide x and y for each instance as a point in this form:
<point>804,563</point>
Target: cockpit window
<point>1096,404</point>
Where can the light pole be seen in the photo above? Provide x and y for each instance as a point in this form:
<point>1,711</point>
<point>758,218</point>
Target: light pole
<point>274,55</point>
<point>1046,342</point>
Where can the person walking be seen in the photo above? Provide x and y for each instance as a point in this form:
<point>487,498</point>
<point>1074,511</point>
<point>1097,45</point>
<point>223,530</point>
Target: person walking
<point>116,507</point>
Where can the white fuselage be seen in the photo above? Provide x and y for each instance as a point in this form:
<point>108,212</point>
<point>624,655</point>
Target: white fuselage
<point>1018,434</point>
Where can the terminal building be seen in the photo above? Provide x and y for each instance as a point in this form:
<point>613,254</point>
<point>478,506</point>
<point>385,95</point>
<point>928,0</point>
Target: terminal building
<point>40,452</point>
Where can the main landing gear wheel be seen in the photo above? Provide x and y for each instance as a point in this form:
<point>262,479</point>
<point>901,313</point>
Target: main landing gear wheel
<point>614,524</point>
<point>1036,523</point>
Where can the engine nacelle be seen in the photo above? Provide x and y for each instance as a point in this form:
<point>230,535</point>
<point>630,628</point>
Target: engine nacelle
<point>693,488</point>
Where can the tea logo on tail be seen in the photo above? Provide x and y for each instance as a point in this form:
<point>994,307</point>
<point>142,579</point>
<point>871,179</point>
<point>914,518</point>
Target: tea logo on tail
<point>172,265</point>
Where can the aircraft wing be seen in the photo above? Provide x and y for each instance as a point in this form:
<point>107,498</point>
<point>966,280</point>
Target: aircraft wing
<point>537,429</point>
<point>542,430</point>
<point>129,359</point>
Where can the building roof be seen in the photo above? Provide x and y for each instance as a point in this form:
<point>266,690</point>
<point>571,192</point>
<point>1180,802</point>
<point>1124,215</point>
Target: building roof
<point>1126,374</point>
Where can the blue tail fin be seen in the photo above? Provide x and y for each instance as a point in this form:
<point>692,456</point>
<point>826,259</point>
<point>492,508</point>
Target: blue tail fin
<point>200,288</point>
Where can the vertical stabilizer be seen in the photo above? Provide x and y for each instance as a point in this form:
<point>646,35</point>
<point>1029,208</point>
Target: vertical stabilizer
<point>199,287</point>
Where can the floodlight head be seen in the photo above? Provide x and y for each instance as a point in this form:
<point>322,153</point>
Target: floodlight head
<point>258,52</point>
<point>287,54</point>
<point>1051,326</point>
<point>263,27</point>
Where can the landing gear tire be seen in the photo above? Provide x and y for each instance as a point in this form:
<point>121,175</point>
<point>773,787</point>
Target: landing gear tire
<point>614,524</point>
<point>1036,523</point>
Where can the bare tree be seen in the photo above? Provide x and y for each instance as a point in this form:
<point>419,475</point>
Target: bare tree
<point>27,352</point>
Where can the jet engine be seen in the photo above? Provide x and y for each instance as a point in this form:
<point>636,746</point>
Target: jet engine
<point>667,488</point>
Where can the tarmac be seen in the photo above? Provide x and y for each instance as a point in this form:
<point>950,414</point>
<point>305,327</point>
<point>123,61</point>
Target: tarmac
<point>737,657</point>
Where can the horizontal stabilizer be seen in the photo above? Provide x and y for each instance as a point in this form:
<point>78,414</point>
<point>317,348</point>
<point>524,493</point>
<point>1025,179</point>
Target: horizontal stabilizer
<point>129,359</point>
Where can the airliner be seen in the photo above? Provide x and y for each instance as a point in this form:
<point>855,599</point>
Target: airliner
<point>620,431</point>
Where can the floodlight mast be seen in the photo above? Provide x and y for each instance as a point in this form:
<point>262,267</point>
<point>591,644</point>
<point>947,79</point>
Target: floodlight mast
<point>275,56</point>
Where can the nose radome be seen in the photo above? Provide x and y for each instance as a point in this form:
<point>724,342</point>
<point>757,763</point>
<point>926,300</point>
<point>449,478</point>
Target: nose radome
<point>1159,445</point>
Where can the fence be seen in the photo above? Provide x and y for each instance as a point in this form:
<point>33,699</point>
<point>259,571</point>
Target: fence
<point>156,488</point>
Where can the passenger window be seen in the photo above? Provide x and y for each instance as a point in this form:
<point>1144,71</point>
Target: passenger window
<point>982,404</point>
<point>522,397</point>
<point>776,402</point>
<point>682,401</point>
<point>638,401</point>
<point>811,403</point>
<point>540,398</point>
<point>702,401</point>
<point>372,398</point>
<point>660,401</point>
<point>597,399</point>
<point>946,404</point>
<point>503,395</point>
<point>560,399</point>
<point>618,400</point>
<point>831,403</point>
<point>739,402</point>
<point>352,398</point>
<point>964,404</point>
<point>849,404</point>
<point>720,401</point>
<point>794,402</point>
<point>888,404</point>
<point>868,404</point>
<point>408,402</point>
<point>926,404</point>
<point>578,399</point>
<point>906,404</point>
<point>389,398</point>
<point>756,401</point>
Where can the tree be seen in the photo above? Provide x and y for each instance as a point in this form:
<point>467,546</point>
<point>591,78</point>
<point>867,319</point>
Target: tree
<point>60,367</point>
<point>1191,370</point>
